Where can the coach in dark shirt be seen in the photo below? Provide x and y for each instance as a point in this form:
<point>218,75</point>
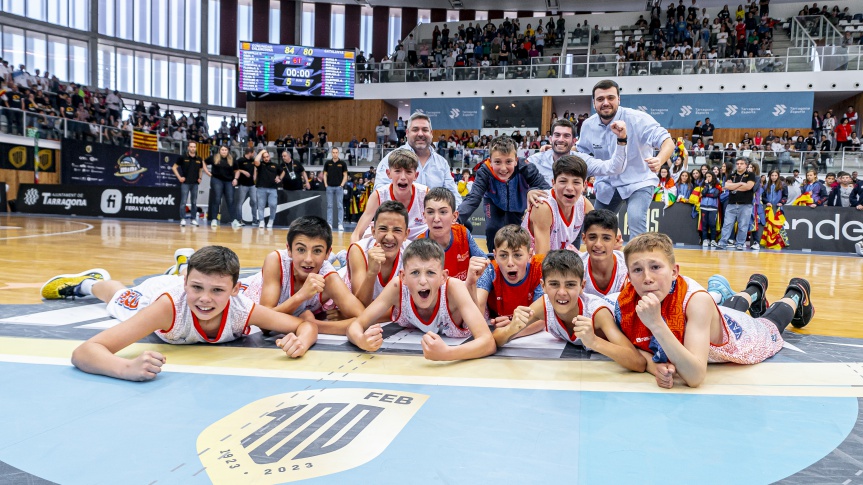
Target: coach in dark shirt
<point>739,207</point>
<point>295,173</point>
<point>335,177</point>
<point>188,171</point>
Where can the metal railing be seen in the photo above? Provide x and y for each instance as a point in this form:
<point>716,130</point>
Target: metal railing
<point>785,161</point>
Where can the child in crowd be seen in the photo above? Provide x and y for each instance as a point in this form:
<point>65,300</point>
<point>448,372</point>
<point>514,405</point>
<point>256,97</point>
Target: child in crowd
<point>402,170</point>
<point>775,194</point>
<point>511,280</point>
<point>374,261</point>
<point>200,304</point>
<point>677,326</point>
<point>300,279</point>
<point>457,241</point>
<point>425,298</point>
<point>556,222</point>
<point>814,188</point>
<point>605,266</point>
<point>502,184</point>
<point>571,315</point>
<point>846,194</point>
<point>684,187</point>
<point>710,192</point>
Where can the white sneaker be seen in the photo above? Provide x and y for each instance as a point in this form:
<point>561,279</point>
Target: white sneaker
<point>755,247</point>
<point>194,221</point>
<point>261,225</point>
<point>341,228</point>
<point>235,224</point>
<point>181,257</point>
<point>858,248</point>
<point>269,224</point>
<point>706,243</point>
<point>182,222</point>
<point>214,224</point>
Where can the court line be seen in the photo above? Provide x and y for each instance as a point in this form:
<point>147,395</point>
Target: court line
<point>89,226</point>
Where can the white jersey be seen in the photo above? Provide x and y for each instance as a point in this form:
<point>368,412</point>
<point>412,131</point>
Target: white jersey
<point>618,276</point>
<point>416,217</point>
<point>126,302</point>
<point>380,284</point>
<point>441,323</point>
<point>252,286</point>
<point>587,306</point>
<point>185,328</point>
<point>563,232</point>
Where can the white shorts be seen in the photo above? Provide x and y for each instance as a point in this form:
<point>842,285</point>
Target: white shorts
<point>126,302</point>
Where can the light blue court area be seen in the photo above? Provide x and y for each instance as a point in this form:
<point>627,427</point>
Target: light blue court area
<point>64,426</point>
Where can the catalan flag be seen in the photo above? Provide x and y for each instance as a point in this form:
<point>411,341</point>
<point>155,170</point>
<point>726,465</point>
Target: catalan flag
<point>145,141</point>
<point>804,199</point>
<point>774,235</point>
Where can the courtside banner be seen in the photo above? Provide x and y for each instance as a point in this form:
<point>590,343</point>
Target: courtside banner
<point>737,110</point>
<point>451,113</point>
<point>20,157</point>
<point>834,229</point>
<point>126,202</point>
<point>86,163</point>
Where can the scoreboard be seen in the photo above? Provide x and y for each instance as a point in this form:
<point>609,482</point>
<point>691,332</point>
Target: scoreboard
<point>296,70</point>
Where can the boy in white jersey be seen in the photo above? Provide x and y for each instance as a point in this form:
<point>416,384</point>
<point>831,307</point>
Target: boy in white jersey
<point>679,329</point>
<point>374,261</point>
<point>571,315</point>
<point>556,222</point>
<point>403,173</point>
<point>299,279</point>
<point>201,304</point>
<point>605,267</point>
<point>423,296</point>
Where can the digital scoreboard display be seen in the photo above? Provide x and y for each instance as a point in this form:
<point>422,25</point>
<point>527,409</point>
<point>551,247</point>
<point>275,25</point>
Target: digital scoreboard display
<point>296,70</point>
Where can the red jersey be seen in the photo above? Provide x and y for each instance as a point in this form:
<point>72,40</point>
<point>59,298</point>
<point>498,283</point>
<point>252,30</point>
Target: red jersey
<point>504,298</point>
<point>457,254</point>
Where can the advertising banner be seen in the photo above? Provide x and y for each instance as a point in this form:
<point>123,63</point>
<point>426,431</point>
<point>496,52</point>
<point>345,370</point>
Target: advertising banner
<point>742,110</point>
<point>451,113</point>
<point>20,157</point>
<point>86,163</point>
<point>95,201</point>
<point>834,229</point>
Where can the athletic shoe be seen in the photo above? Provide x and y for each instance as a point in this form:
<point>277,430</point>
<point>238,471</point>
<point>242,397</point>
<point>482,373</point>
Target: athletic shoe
<point>755,247</point>
<point>730,241</point>
<point>719,284</point>
<point>740,247</point>
<point>341,228</point>
<point>705,243</point>
<point>269,224</point>
<point>235,224</point>
<point>805,309</point>
<point>214,224</point>
<point>66,285</point>
<point>859,248</point>
<point>759,307</point>
<point>261,225</point>
<point>181,256</point>
<point>194,221</point>
<point>341,257</point>
<point>714,244</point>
<point>182,222</point>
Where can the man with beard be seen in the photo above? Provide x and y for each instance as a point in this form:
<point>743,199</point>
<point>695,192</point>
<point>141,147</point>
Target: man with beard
<point>434,170</point>
<point>635,185</point>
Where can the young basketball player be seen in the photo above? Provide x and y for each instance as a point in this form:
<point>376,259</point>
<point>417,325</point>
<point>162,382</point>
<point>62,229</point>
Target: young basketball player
<point>571,315</point>
<point>457,241</point>
<point>201,304</point>
<point>556,222</point>
<point>403,172</point>
<point>678,327</point>
<point>423,296</point>
<point>374,261</point>
<point>300,279</point>
<point>605,267</point>
<point>511,280</point>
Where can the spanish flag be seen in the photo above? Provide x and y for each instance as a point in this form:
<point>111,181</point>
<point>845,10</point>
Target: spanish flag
<point>774,235</point>
<point>145,141</point>
<point>804,199</point>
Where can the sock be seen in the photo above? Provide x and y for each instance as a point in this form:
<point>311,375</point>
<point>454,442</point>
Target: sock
<point>85,288</point>
<point>716,297</point>
<point>794,294</point>
<point>754,292</point>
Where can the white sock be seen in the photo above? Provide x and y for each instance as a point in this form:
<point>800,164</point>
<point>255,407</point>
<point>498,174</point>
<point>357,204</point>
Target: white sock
<point>86,286</point>
<point>716,297</point>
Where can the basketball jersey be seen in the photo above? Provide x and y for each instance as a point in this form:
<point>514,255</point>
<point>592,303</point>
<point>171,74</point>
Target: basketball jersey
<point>504,298</point>
<point>618,276</point>
<point>457,259</point>
<point>587,306</point>
<point>441,322</point>
<point>252,286</point>
<point>416,217</point>
<point>185,328</point>
<point>563,233</point>
<point>380,284</point>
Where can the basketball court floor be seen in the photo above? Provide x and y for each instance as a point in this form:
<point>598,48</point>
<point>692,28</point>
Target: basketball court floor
<point>536,412</point>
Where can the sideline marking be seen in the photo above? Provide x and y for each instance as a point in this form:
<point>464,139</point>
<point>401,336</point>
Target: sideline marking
<point>89,226</point>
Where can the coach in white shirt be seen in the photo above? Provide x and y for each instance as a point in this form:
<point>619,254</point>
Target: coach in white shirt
<point>434,170</point>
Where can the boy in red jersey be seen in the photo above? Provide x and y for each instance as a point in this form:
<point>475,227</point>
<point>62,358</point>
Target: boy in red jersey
<point>511,280</point>
<point>456,241</point>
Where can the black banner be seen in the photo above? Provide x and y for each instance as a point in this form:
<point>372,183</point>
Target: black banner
<point>834,229</point>
<point>127,202</point>
<point>291,205</point>
<point>86,163</point>
<point>20,157</point>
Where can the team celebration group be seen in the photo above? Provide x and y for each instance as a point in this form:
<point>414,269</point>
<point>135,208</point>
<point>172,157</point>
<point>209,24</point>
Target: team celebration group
<point>412,261</point>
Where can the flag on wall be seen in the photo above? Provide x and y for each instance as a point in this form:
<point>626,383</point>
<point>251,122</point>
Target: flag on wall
<point>145,141</point>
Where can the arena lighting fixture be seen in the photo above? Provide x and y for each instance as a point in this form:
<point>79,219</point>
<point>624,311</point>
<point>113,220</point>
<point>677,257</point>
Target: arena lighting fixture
<point>496,106</point>
<point>456,4</point>
<point>512,104</point>
<point>553,5</point>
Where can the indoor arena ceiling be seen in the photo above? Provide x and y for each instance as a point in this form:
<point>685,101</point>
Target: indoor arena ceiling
<point>546,5</point>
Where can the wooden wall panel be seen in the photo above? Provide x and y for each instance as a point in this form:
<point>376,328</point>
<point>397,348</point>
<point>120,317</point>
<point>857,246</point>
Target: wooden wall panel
<point>17,177</point>
<point>547,109</point>
<point>840,108</point>
<point>342,118</point>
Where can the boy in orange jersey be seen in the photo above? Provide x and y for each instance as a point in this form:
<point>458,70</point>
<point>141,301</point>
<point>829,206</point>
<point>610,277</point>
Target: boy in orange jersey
<point>511,280</point>
<point>424,297</point>
<point>679,329</point>
<point>457,241</point>
<point>403,172</point>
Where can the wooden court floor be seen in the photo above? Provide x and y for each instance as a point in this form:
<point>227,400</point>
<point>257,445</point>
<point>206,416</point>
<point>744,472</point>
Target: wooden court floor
<point>32,249</point>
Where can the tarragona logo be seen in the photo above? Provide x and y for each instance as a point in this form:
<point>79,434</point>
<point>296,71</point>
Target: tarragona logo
<point>305,434</point>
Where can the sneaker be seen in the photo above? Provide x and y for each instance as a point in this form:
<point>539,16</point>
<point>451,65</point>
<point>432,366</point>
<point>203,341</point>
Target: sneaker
<point>235,224</point>
<point>740,247</point>
<point>214,224</point>
<point>755,247</point>
<point>65,285</point>
<point>261,225</point>
<point>341,228</point>
<point>341,257</point>
<point>805,310</point>
<point>730,241</point>
<point>719,284</point>
<point>714,244</point>
<point>181,257</point>
<point>859,248</point>
<point>269,224</point>
<point>759,307</point>
<point>195,221</point>
<point>182,222</point>
<point>705,243</point>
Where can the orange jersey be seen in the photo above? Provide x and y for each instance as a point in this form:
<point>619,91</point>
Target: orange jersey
<point>504,298</point>
<point>458,253</point>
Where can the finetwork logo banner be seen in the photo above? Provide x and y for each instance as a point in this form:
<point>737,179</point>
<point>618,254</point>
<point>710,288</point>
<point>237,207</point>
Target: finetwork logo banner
<point>739,110</point>
<point>451,113</point>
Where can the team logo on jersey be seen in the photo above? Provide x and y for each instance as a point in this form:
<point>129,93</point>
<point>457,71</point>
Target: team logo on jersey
<point>129,299</point>
<point>306,434</point>
<point>418,220</point>
<point>463,257</point>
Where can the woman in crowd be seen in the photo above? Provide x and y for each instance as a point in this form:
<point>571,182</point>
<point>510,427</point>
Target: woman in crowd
<point>695,177</point>
<point>710,192</point>
<point>222,182</point>
<point>684,187</point>
<point>775,192</point>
